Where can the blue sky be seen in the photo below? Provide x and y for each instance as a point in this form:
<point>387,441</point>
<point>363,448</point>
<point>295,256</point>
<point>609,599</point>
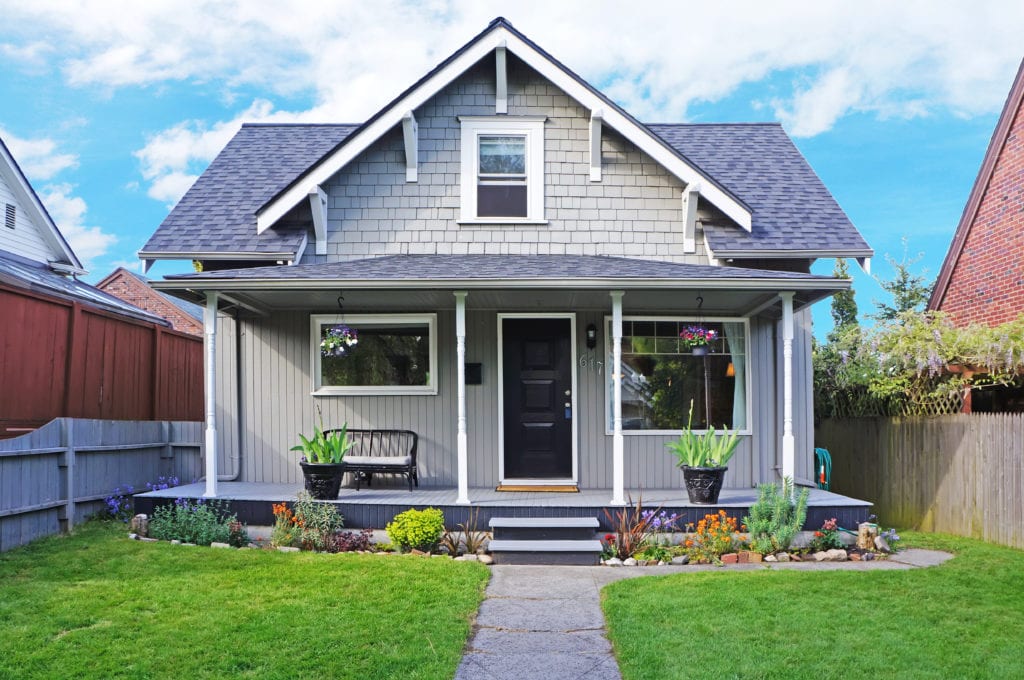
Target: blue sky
<point>112,108</point>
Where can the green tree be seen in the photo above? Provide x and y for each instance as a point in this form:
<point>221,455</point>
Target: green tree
<point>909,291</point>
<point>844,306</point>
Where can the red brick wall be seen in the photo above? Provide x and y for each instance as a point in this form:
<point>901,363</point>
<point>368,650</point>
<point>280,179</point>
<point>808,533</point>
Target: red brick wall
<point>987,283</point>
<point>133,291</point>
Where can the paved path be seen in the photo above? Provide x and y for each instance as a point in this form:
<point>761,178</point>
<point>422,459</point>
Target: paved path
<point>546,622</point>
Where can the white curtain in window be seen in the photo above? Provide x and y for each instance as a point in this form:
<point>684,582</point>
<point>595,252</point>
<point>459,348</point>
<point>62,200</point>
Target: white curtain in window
<point>737,348</point>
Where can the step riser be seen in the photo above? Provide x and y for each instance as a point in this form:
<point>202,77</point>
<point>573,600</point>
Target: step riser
<point>543,534</point>
<point>579,559</point>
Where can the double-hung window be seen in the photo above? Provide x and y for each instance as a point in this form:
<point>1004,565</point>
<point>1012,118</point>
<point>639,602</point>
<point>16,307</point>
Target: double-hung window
<point>502,169</point>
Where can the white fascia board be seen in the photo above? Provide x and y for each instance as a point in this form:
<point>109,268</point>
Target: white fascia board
<point>366,136</point>
<point>318,206</point>
<point>302,249</point>
<point>356,144</point>
<point>410,134</point>
<point>214,255</point>
<point>500,80</point>
<point>595,145</point>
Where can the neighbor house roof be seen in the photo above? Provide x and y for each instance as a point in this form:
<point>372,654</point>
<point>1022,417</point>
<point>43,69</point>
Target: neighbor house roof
<point>988,165</point>
<point>135,289</point>
<point>36,277</point>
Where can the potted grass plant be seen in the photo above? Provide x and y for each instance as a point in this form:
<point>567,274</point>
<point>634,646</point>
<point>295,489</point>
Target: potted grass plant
<point>322,460</point>
<point>703,459</point>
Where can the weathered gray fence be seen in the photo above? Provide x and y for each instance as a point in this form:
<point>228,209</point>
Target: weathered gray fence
<point>959,474</point>
<point>58,475</point>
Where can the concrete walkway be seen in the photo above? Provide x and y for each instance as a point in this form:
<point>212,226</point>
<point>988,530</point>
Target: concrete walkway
<point>546,622</point>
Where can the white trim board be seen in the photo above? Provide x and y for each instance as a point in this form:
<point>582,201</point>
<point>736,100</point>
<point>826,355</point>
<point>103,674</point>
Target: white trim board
<point>473,52</point>
<point>501,398</point>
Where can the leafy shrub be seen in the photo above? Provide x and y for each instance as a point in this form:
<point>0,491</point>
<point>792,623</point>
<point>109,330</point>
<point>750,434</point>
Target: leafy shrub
<point>776,517</point>
<point>317,522</point>
<point>350,541</point>
<point>200,522</point>
<point>827,537</point>
<point>417,529</point>
<point>714,536</point>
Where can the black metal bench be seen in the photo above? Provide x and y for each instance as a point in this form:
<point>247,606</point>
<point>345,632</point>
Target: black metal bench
<point>381,452</point>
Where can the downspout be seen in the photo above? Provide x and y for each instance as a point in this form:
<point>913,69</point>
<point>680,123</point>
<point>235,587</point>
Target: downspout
<point>236,457</point>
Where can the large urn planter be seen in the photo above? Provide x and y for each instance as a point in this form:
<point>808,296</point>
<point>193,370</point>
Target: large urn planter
<point>323,480</point>
<point>703,484</point>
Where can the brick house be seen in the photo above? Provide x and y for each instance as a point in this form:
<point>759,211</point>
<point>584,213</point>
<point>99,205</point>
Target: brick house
<point>134,289</point>
<point>520,257</point>
<point>982,277</point>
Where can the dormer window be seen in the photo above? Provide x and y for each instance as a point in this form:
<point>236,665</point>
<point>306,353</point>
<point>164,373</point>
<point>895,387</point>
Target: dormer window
<point>502,169</point>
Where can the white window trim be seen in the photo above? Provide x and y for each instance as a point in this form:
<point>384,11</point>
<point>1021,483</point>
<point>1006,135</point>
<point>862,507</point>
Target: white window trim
<point>747,431</point>
<point>353,320</point>
<point>473,127</point>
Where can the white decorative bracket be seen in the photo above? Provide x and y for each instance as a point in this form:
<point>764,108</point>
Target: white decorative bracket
<point>865,264</point>
<point>501,79</point>
<point>595,145</point>
<point>411,132</point>
<point>690,195</point>
<point>318,206</point>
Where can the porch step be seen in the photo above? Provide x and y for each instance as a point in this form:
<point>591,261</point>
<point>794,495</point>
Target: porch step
<point>545,540</point>
<point>578,552</point>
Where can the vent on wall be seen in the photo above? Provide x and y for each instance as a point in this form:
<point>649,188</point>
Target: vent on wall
<point>9,215</point>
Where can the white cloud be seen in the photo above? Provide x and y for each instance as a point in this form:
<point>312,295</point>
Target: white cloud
<point>130,265</point>
<point>68,212</point>
<point>39,158</point>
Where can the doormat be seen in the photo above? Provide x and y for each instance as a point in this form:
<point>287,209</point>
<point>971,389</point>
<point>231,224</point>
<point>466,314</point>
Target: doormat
<point>546,488</point>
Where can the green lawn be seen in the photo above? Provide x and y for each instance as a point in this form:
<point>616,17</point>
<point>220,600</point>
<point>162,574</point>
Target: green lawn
<point>964,619</point>
<point>96,605</point>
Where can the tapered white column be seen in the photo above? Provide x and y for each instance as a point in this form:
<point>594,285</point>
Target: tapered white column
<point>210,345</point>
<point>618,464</point>
<point>462,441</point>
<point>788,442</point>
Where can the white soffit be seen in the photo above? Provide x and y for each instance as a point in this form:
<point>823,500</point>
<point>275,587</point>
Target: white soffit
<point>500,36</point>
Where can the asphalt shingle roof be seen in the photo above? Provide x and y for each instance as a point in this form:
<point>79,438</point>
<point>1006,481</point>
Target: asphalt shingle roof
<point>218,213</point>
<point>792,209</point>
<point>505,267</point>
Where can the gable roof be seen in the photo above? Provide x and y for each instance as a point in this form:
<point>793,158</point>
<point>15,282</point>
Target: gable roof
<point>793,212</point>
<point>500,33</point>
<point>981,182</point>
<point>38,215</point>
<point>217,216</point>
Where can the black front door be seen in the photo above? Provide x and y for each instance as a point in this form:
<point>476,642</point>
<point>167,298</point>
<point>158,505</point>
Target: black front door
<point>537,356</point>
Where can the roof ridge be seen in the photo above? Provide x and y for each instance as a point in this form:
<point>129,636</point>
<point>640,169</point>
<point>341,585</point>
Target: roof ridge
<point>737,124</point>
<point>301,124</point>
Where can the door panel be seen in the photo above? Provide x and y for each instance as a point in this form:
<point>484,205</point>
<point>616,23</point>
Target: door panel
<point>537,355</point>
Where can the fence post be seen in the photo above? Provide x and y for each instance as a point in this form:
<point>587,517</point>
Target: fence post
<point>67,464</point>
<point>167,453</point>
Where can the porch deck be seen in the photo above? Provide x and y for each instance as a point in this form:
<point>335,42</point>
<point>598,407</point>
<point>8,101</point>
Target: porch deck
<point>375,507</point>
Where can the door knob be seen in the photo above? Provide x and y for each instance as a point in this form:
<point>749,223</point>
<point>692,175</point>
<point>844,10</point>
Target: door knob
<point>568,393</point>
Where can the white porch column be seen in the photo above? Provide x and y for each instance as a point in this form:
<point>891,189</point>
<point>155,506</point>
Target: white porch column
<point>210,345</point>
<point>788,443</point>
<point>618,464</point>
<point>460,351</point>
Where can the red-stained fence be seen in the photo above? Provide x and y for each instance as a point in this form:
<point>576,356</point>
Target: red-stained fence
<point>64,359</point>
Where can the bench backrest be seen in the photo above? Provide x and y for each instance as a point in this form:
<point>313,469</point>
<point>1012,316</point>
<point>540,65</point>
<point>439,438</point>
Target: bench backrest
<point>383,443</point>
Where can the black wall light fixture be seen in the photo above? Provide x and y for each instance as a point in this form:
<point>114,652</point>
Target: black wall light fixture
<point>591,336</point>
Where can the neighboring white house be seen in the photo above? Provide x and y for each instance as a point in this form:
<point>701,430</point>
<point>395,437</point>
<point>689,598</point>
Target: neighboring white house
<point>502,215</point>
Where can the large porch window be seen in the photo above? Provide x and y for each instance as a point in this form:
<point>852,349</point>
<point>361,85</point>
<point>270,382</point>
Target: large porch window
<point>660,375</point>
<point>396,354</point>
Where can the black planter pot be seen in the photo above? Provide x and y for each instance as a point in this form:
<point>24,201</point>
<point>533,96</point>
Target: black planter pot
<point>703,484</point>
<point>323,480</point>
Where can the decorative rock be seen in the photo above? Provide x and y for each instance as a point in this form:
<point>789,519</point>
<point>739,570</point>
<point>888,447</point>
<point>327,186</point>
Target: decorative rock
<point>836,555</point>
<point>148,540</point>
<point>793,557</point>
<point>629,562</point>
<point>882,544</point>
<point>414,551</point>
<point>140,524</point>
<point>175,542</point>
<point>662,563</point>
<point>742,557</point>
<point>445,555</point>
<point>868,557</point>
<point>133,536</point>
<point>194,545</point>
<point>785,557</point>
<point>219,545</point>
<point>771,558</point>
<point>287,548</point>
<point>755,557</point>
<point>642,563</point>
<point>730,558</point>
<point>613,562</point>
<point>820,556</point>
<point>866,535</point>
<point>682,559</point>
<point>466,558</point>
<point>485,559</point>
<point>254,546</point>
<point>855,557</point>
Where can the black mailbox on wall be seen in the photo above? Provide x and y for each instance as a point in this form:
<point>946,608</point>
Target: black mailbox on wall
<point>474,374</point>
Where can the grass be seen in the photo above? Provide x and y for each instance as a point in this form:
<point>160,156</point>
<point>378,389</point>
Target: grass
<point>964,619</point>
<point>98,605</point>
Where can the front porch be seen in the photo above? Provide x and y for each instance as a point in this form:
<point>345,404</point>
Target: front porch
<point>375,507</point>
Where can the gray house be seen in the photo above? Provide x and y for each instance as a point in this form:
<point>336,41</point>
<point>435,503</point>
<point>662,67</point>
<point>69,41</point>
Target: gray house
<point>519,258</point>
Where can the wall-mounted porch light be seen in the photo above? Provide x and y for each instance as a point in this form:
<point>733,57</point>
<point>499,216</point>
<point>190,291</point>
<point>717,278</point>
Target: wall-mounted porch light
<point>591,336</point>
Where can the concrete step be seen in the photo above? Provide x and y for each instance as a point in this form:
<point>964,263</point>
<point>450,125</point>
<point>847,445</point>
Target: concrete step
<point>544,528</point>
<point>572,552</point>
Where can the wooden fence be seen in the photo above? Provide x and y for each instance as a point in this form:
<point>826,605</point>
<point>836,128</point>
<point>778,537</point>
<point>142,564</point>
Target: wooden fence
<point>60,474</point>
<point>959,474</point>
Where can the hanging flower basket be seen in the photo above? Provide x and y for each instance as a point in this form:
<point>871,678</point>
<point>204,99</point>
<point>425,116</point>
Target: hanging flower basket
<point>338,341</point>
<point>697,338</point>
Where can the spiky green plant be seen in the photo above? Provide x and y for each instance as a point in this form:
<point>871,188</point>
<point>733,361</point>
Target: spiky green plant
<point>776,517</point>
<point>707,450</point>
